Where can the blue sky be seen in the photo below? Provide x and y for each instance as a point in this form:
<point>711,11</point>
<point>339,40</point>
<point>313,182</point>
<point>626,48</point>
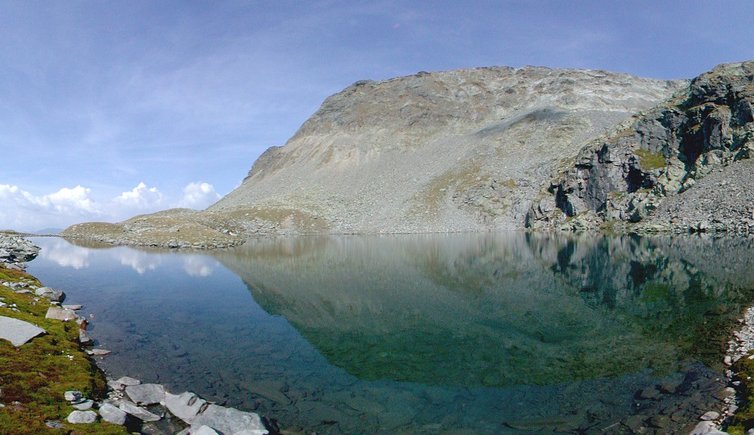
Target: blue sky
<point>113,108</point>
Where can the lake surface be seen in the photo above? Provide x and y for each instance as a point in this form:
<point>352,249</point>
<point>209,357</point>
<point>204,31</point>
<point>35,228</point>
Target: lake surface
<point>481,333</point>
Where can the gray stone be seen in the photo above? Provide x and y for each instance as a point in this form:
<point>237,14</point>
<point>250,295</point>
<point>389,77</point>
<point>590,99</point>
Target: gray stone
<point>112,414</point>
<point>17,331</point>
<point>185,406</point>
<point>84,337</point>
<point>204,430</point>
<point>75,307</point>
<point>146,394</point>
<point>704,428</point>
<point>58,313</point>
<point>710,415</point>
<point>82,417</point>
<point>229,420</point>
<point>73,395</point>
<point>127,381</point>
<point>84,405</point>
<point>138,412</point>
<point>50,293</point>
<point>98,352</point>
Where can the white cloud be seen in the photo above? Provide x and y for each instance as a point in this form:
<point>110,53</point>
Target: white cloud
<point>26,211</point>
<point>22,210</point>
<point>140,197</point>
<point>198,195</point>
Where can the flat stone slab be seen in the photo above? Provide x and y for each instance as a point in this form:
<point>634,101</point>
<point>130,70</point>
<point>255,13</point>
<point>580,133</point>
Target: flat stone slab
<point>58,313</point>
<point>229,420</point>
<point>17,331</point>
<point>185,405</point>
<point>138,412</point>
<point>146,394</point>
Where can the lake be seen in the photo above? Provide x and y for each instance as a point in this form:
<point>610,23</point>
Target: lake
<point>466,333</point>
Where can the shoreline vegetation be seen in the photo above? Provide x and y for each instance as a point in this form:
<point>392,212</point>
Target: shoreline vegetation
<point>50,382</point>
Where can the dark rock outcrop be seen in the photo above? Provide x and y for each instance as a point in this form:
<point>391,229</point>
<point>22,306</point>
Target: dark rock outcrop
<point>646,172</point>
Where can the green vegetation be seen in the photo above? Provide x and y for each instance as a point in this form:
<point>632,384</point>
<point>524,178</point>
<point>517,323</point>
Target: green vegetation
<point>650,160</point>
<point>34,377</point>
<point>743,419</point>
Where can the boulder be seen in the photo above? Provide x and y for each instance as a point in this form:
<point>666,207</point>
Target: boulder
<point>50,293</point>
<point>82,417</point>
<point>112,414</point>
<point>84,405</point>
<point>58,313</point>
<point>204,430</point>
<point>229,421</point>
<point>17,331</point>
<point>138,412</point>
<point>185,406</point>
<point>73,396</point>
<point>146,394</point>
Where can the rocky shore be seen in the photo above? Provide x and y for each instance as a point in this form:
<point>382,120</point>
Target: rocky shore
<point>30,314</point>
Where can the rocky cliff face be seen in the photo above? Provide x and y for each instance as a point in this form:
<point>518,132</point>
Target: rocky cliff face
<point>681,165</point>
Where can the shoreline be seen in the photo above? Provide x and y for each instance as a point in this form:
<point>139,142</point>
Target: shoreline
<point>124,405</point>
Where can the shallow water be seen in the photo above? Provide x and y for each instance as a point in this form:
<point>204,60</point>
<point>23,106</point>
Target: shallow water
<point>483,333</point>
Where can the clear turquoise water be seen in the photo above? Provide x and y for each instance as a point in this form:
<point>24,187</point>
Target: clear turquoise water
<point>492,333</point>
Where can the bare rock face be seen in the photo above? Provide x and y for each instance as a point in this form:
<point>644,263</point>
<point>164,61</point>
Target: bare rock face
<point>651,171</point>
<point>449,151</point>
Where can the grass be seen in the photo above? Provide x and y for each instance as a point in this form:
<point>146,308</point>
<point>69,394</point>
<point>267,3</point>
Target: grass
<point>34,377</point>
<point>650,160</point>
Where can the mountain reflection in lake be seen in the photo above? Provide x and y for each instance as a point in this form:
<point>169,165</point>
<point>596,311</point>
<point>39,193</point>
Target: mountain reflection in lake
<point>488,333</point>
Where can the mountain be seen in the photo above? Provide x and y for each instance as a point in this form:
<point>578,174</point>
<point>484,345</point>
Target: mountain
<point>465,150</point>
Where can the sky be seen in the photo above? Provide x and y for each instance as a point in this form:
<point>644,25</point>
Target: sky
<point>114,108</point>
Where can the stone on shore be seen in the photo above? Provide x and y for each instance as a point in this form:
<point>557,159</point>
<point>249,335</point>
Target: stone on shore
<point>123,382</point>
<point>138,412</point>
<point>73,307</point>
<point>229,420</point>
<point>58,313</point>
<point>84,405</point>
<point>706,428</point>
<point>204,430</point>
<point>17,331</point>
<point>710,415</point>
<point>112,414</point>
<point>84,337</point>
<point>52,294</point>
<point>146,394</point>
<point>73,395</point>
<point>98,352</point>
<point>82,417</point>
<point>185,406</point>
